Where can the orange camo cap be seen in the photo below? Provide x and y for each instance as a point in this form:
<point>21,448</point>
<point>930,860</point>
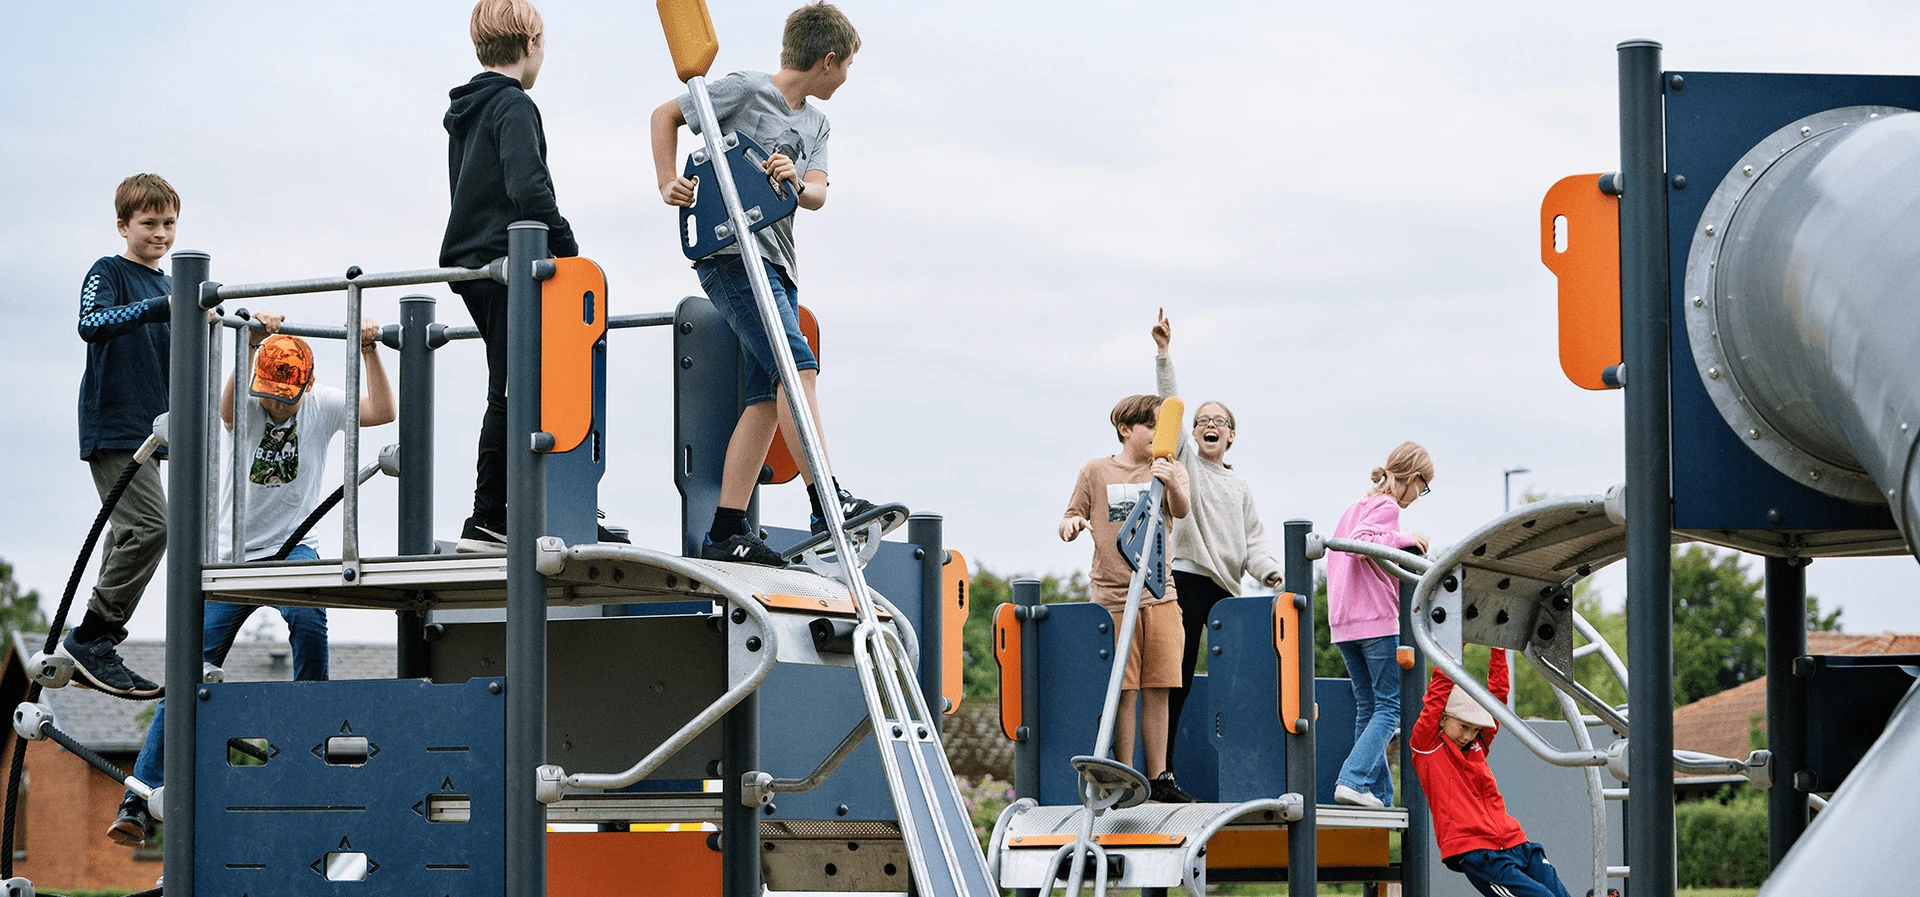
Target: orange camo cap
<point>282,368</point>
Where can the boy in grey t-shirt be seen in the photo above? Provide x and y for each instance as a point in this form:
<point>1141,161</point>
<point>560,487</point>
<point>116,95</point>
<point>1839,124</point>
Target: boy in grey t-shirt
<point>817,46</point>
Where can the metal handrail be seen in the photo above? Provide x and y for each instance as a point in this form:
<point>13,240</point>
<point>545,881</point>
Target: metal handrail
<point>213,293</point>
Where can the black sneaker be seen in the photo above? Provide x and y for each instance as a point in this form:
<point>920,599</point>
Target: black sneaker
<point>100,668</point>
<point>1165,790</point>
<point>478,536</point>
<point>606,533</point>
<point>134,824</point>
<point>742,547</point>
<point>850,508</point>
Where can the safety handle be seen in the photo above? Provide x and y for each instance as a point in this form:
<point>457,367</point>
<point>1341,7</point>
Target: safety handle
<point>1166,433</point>
<point>690,36</point>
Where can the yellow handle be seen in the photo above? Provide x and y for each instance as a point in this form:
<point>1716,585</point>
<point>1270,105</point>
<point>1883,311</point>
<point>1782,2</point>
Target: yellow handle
<point>1166,433</point>
<point>690,36</point>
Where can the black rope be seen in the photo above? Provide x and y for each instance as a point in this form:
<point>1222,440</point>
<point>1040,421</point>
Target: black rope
<point>85,753</point>
<point>18,765</point>
<point>300,532</point>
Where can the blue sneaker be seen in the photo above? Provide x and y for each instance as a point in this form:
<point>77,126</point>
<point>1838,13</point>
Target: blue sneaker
<point>99,667</point>
<point>742,548</point>
<point>851,509</point>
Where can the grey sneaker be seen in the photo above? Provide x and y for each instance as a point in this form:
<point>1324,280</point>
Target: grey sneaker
<point>742,547</point>
<point>99,667</point>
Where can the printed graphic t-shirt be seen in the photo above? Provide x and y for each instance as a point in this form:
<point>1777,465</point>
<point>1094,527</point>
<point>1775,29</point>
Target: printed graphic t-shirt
<point>286,471</point>
<point>747,102</point>
<point>1105,494</point>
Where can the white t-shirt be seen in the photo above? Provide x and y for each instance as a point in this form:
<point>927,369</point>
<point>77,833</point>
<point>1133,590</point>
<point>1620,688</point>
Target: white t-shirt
<point>286,475</point>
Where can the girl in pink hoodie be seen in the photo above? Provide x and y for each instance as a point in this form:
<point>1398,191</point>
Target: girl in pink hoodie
<point>1363,611</point>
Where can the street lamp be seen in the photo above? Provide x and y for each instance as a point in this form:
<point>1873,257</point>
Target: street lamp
<point>1506,484</point>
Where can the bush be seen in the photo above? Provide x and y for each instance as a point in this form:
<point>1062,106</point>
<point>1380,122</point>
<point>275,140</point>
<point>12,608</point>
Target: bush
<point>1723,839</point>
<point>985,800</point>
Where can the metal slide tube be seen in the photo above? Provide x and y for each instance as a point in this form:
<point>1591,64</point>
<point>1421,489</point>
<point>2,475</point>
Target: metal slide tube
<point>336,284</point>
<point>350,487</point>
<point>1786,704</point>
<point>186,519</point>
<point>1813,304</point>
<point>1644,328</point>
<point>526,823</point>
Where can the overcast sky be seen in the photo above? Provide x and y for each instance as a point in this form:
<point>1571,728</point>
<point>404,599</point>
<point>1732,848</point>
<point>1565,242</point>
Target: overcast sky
<point>1335,203</point>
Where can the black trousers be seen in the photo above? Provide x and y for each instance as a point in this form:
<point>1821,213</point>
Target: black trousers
<point>1197,594</point>
<point>487,303</point>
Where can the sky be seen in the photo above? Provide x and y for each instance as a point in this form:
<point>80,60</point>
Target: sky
<point>1336,205</point>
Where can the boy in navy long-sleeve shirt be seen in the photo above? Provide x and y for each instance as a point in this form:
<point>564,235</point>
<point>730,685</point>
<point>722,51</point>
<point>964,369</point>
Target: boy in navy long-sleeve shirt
<point>497,169</point>
<point>123,319</point>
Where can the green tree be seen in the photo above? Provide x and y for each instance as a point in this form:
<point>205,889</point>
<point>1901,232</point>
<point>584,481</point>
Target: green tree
<point>19,610</point>
<point>989,591</point>
<point>1720,623</point>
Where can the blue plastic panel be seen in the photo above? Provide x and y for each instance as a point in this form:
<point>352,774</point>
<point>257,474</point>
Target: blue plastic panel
<point>268,829</point>
<point>1718,482</point>
<point>697,222</point>
<point>573,477</point>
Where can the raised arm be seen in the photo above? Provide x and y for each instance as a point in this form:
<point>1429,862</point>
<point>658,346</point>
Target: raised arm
<point>1425,734</point>
<point>1500,684</point>
<point>1261,561</point>
<point>1163,379</point>
<point>377,406</point>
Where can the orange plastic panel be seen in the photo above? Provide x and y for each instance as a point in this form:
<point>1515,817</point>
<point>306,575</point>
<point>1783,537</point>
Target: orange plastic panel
<point>690,36</point>
<point>1006,653</point>
<point>677,863</point>
<point>1286,646</point>
<point>833,607</point>
<point>1110,839</point>
<point>953,623</point>
<point>1166,431</point>
<point>1589,273</point>
<point>1267,848</point>
<point>573,317</point>
<point>778,458</point>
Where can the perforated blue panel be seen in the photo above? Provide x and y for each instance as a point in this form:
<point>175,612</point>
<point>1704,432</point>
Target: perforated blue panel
<point>268,829</point>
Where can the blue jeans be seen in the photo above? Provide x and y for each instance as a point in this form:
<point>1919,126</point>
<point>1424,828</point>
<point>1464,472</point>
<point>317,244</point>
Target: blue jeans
<point>1376,713</point>
<point>306,630</point>
<point>724,278</point>
<point>1519,871</point>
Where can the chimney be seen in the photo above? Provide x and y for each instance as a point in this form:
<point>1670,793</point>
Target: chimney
<point>277,657</point>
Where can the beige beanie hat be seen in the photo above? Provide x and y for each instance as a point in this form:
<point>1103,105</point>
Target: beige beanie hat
<point>1467,710</point>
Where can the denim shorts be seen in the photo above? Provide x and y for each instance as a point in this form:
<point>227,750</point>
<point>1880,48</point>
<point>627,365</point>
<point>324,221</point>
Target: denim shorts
<point>724,278</point>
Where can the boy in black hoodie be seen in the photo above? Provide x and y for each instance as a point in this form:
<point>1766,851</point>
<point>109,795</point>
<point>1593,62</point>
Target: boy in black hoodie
<point>497,165</point>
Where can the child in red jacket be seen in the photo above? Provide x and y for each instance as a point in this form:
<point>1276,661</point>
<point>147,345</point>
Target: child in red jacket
<point>1477,837</point>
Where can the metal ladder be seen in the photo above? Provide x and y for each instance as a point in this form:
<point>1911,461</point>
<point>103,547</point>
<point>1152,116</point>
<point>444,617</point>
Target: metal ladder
<point>934,822</point>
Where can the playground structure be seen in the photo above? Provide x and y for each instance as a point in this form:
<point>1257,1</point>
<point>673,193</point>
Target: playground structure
<point>527,676</point>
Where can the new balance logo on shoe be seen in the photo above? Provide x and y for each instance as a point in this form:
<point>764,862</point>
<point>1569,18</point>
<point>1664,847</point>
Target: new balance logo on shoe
<point>739,551</point>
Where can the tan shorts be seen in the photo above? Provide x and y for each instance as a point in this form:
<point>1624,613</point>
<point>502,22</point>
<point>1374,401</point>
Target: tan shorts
<point>1158,635</point>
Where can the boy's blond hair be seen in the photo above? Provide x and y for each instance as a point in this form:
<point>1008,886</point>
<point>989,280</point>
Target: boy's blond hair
<point>812,32</point>
<point>142,192</point>
<point>501,29</point>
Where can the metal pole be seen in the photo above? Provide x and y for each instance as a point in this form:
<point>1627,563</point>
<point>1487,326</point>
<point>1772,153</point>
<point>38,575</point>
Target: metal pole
<point>1786,704</point>
<point>350,485</point>
<point>739,823</point>
<point>526,588</point>
<point>1416,843</point>
<point>238,463</point>
<point>1026,751</point>
<point>210,387</point>
<point>416,466</point>
<point>186,535</point>
<point>1303,872</point>
<point>1645,321</point>
<point>924,530</point>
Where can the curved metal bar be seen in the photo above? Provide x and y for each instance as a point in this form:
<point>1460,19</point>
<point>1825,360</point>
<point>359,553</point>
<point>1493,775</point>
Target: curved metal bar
<point>1291,807</point>
<point>1565,683</point>
<point>712,714</point>
<point>903,627</point>
<point>1509,721</point>
<point>1403,564</point>
<point>1000,832</point>
<point>1596,790</point>
<point>1599,644</point>
<point>828,765</point>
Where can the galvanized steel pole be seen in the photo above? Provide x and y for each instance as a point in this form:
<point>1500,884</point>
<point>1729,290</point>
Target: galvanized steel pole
<point>416,466</point>
<point>1303,873</point>
<point>739,823</point>
<point>1645,320</point>
<point>526,588</point>
<point>924,530</point>
<point>1026,750</point>
<point>1786,704</point>
<point>187,537</point>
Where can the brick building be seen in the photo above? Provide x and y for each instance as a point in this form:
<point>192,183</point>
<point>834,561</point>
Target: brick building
<point>65,805</point>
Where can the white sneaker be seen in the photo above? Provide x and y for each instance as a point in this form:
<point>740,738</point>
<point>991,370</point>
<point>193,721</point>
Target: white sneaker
<point>1344,795</point>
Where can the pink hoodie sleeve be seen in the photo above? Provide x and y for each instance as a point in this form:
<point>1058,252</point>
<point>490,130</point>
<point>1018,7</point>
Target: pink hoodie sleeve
<point>1379,523</point>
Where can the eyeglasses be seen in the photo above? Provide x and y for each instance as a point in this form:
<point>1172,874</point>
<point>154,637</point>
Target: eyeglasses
<point>1425,487</point>
<point>1199,422</point>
